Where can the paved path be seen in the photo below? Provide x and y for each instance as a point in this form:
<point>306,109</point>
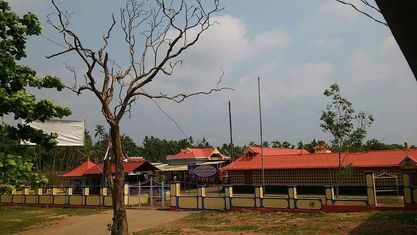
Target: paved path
<point>96,224</point>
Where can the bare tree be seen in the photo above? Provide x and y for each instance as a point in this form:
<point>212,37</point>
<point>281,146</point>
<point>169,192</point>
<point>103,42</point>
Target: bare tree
<point>368,6</point>
<point>167,29</point>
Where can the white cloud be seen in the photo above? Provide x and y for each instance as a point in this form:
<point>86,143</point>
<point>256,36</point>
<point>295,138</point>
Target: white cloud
<point>332,10</point>
<point>386,63</point>
<point>225,46</point>
<point>270,39</point>
<point>326,43</point>
<point>281,84</point>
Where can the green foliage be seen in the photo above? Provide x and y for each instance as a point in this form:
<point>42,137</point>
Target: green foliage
<point>284,144</point>
<point>15,100</point>
<point>14,170</point>
<point>237,150</point>
<point>156,150</point>
<point>347,127</point>
<point>375,144</point>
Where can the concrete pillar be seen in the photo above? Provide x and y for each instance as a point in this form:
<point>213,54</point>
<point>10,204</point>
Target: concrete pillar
<point>201,193</point>
<point>408,192</point>
<point>86,191</point>
<point>26,191</point>
<point>103,191</point>
<point>69,191</point>
<point>228,190</point>
<point>329,194</point>
<point>126,194</point>
<point>38,191</point>
<point>68,194</point>
<point>54,191</point>
<point>259,196</point>
<point>175,192</point>
<point>292,196</point>
<point>370,188</point>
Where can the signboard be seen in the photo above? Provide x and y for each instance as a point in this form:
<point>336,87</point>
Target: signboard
<point>70,132</point>
<point>205,171</point>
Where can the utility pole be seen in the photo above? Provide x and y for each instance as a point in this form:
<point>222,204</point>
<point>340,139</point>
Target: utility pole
<point>260,132</point>
<point>231,133</point>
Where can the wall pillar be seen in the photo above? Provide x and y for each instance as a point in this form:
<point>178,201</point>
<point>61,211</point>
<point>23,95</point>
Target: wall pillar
<point>103,194</point>
<point>329,194</point>
<point>201,194</point>
<point>228,190</point>
<point>25,193</point>
<point>126,193</point>
<point>175,192</point>
<point>292,196</point>
<point>54,191</point>
<point>68,194</point>
<point>103,191</point>
<point>407,189</point>
<point>259,196</point>
<point>370,188</point>
<point>86,192</point>
<point>69,191</point>
<point>38,191</point>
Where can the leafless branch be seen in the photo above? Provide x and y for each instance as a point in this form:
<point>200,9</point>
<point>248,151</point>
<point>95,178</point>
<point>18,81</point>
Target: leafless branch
<point>363,12</point>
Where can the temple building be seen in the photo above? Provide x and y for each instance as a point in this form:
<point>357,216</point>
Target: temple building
<point>298,167</point>
<point>90,174</point>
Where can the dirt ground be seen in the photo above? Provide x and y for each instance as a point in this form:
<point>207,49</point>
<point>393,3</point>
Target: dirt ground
<point>97,224</point>
<point>252,222</point>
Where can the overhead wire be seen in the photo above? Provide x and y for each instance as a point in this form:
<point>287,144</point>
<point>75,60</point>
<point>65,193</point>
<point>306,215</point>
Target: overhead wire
<point>120,67</point>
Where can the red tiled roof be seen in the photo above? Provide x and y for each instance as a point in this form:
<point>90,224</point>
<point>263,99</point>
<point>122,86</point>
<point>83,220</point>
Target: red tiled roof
<point>190,153</point>
<point>276,151</point>
<point>370,159</point>
<point>81,169</point>
<point>90,168</point>
<point>128,167</point>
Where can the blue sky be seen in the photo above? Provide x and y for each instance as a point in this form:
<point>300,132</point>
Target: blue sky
<point>298,48</point>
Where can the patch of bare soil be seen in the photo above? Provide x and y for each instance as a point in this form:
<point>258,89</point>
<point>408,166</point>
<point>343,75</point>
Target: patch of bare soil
<point>97,224</point>
<point>251,222</point>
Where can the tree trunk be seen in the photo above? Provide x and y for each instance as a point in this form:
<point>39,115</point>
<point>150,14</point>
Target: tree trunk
<point>119,225</point>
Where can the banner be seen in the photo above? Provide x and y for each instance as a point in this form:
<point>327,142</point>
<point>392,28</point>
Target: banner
<point>70,132</point>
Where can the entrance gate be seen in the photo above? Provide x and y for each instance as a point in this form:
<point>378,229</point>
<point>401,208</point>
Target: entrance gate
<point>149,194</point>
<point>387,190</point>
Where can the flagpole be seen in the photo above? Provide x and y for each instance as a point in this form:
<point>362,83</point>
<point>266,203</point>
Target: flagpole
<point>231,133</point>
<point>260,132</point>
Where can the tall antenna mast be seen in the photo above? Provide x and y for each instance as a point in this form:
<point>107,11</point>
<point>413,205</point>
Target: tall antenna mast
<point>231,133</point>
<point>260,132</point>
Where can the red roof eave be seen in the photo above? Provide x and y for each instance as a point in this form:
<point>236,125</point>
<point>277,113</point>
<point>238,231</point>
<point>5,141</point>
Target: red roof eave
<point>371,159</point>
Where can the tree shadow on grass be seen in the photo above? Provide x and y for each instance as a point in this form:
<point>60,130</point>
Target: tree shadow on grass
<point>392,222</point>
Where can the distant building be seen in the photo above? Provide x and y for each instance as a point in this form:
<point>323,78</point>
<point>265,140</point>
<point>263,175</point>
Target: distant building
<point>90,174</point>
<point>202,165</point>
<point>194,156</point>
<point>287,167</point>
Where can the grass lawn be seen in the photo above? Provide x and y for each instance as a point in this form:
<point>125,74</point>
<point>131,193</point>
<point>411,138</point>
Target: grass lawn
<point>14,219</point>
<point>251,222</point>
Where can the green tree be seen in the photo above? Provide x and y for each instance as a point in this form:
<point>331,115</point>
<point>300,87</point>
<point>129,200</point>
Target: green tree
<point>130,148</point>
<point>347,127</point>
<point>15,100</point>
<point>100,132</point>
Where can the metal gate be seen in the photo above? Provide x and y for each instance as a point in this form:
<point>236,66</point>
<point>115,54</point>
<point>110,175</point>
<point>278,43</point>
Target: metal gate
<point>387,190</point>
<point>149,194</point>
